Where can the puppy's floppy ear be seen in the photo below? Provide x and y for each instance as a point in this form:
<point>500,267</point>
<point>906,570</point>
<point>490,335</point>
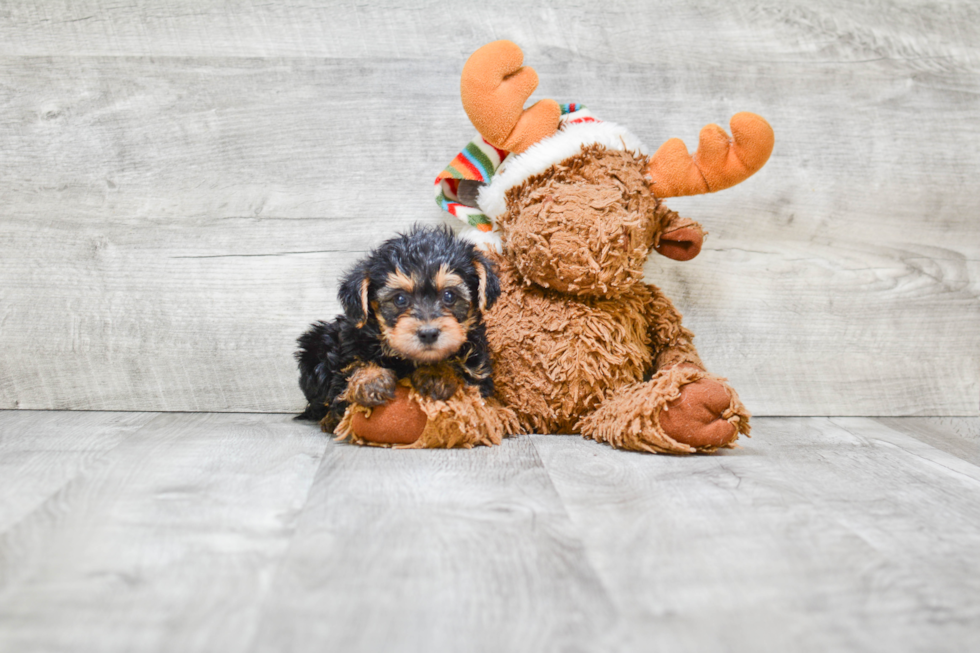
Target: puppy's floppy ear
<point>488,288</point>
<point>353,294</point>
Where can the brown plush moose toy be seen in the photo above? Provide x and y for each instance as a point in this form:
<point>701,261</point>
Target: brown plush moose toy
<point>579,343</point>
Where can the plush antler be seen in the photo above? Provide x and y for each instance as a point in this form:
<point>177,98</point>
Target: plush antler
<point>494,86</point>
<point>720,162</point>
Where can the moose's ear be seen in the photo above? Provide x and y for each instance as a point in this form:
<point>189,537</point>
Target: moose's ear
<point>681,244</point>
<point>353,294</point>
<point>488,288</point>
<point>681,239</point>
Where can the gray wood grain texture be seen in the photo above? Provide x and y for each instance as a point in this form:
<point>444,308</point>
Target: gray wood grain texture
<point>820,534</point>
<point>41,452</point>
<point>435,551</point>
<point>181,184</point>
<point>959,436</point>
<point>167,543</point>
<point>236,532</point>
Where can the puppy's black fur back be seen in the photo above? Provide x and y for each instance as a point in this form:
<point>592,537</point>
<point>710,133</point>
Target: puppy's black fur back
<point>319,356</point>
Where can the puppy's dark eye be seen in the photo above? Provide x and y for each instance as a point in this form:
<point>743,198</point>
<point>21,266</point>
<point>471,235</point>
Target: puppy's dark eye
<point>400,300</point>
<point>448,297</point>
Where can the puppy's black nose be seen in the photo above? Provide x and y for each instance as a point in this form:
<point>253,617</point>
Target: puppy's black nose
<point>428,335</point>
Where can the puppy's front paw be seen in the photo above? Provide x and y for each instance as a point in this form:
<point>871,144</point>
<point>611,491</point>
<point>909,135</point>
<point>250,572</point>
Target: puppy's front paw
<point>371,386</point>
<point>438,382</point>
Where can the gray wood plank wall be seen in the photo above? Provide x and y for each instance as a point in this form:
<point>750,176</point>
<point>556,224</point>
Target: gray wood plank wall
<point>182,182</point>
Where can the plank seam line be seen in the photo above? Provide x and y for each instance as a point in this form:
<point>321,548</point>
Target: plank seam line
<point>312,251</point>
<point>277,569</point>
<point>607,590</point>
<point>936,457</point>
<point>97,462</point>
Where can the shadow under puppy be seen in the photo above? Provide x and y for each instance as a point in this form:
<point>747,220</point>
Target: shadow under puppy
<point>413,309</point>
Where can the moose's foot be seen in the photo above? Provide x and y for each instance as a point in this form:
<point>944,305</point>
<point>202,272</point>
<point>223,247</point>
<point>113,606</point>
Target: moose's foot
<point>681,410</point>
<point>400,421</point>
<point>415,421</point>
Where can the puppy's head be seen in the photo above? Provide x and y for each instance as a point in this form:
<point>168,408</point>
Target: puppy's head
<point>425,290</point>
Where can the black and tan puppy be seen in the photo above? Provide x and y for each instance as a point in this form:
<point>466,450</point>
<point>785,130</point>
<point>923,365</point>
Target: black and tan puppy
<point>412,309</point>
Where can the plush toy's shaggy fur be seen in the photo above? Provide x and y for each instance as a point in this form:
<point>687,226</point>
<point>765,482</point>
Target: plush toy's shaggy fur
<point>558,359</point>
<point>584,226</point>
<point>579,343</point>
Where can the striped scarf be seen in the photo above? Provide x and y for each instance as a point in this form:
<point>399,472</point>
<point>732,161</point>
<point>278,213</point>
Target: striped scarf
<point>479,161</point>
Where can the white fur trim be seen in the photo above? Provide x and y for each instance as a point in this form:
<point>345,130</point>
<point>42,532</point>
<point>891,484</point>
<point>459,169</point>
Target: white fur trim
<point>488,241</point>
<point>542,155</point>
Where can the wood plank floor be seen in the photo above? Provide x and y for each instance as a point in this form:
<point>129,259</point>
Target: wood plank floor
<point>251,532</point>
